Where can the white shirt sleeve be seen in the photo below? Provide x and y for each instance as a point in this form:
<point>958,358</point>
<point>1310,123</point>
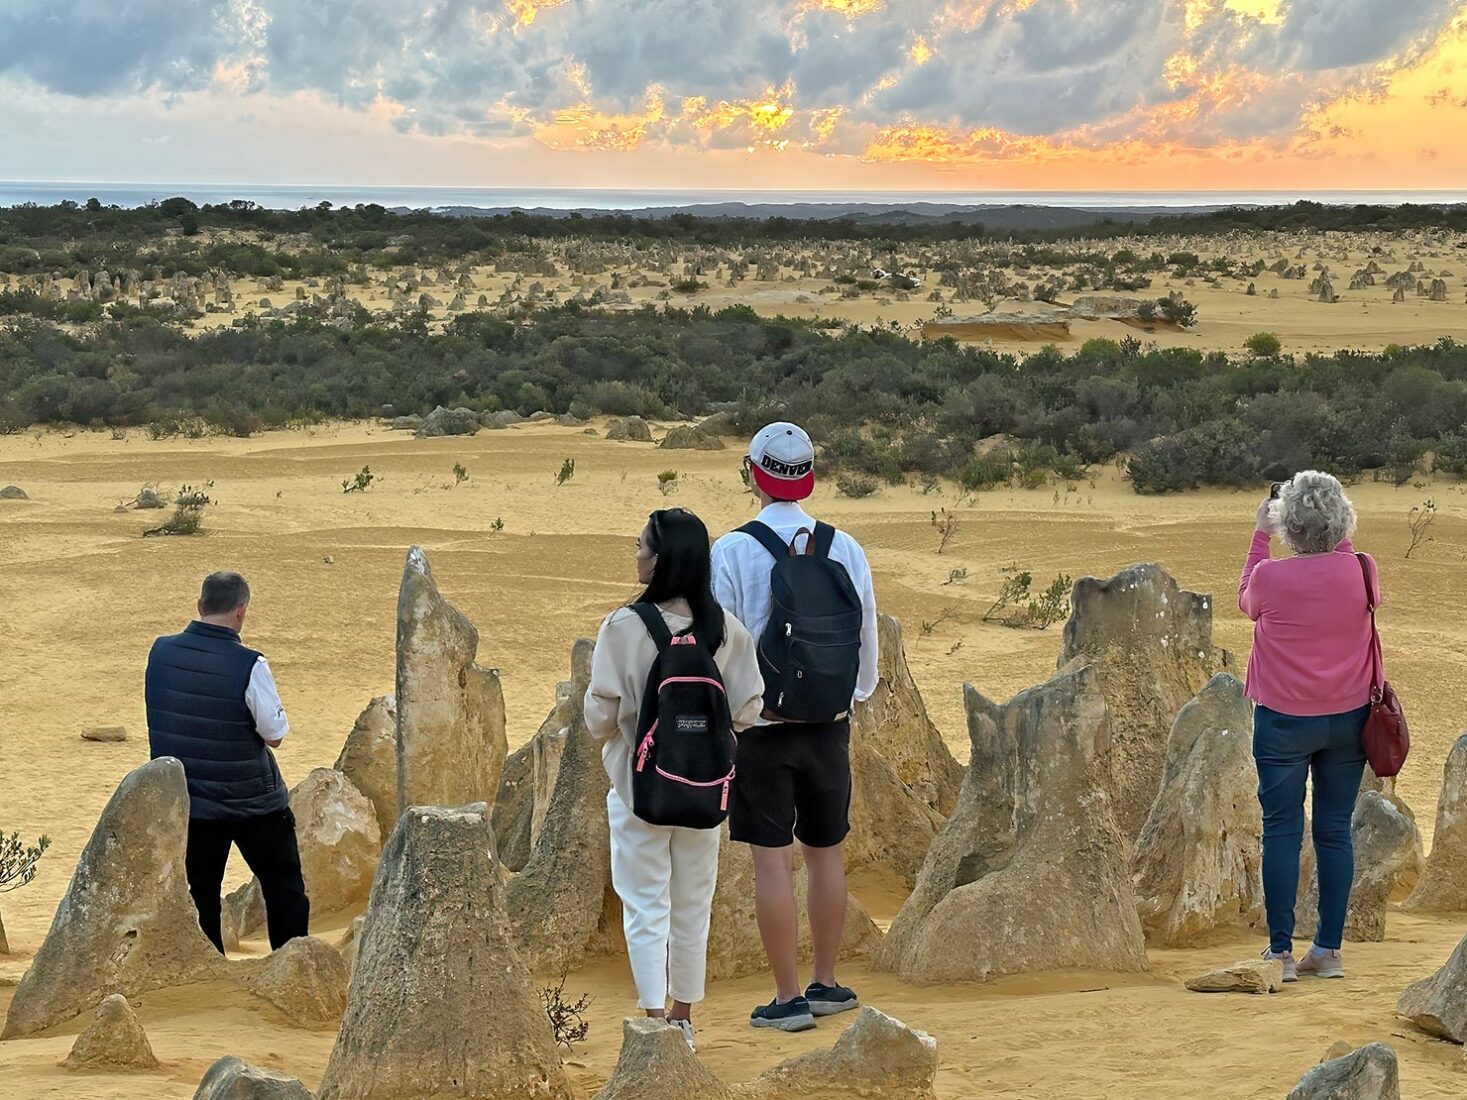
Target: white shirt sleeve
<point>263,699</point>
<point>725,587</point>
<point>869,676</point>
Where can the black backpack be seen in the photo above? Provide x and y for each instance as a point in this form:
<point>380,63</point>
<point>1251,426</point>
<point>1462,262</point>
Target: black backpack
<point>684,762</point>
<point>810,653</point>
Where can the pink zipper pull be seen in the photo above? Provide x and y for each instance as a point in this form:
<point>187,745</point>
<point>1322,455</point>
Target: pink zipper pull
<point>723,806</point>
<point>642,752</point>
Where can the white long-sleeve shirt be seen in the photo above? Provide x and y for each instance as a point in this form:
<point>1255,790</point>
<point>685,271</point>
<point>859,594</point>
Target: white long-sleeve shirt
<point>263,699</point>
<point>619,667</point>
<point>741,569</point>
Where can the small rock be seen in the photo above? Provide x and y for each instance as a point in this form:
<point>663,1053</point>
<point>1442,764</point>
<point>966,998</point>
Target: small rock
<point>409,423</point>
<point>630,428</point>
<point>877,1057</point>
<point>149,498</point>
<point>566,420</point>
<point>1250,976</point>
<point>104,733</point>
<point>1369,1073</point>
<point>13,492</point>
<point>306,979</point>
<point>656,1064</point>
<point>113,1040</point>
<point>329,560</point>
<point>685,438</point>
<point>443,421</point>
<point>232,1079</point>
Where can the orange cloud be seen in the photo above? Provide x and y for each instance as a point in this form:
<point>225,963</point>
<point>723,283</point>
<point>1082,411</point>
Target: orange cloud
<point>524,11</point>
<point>849,8</point>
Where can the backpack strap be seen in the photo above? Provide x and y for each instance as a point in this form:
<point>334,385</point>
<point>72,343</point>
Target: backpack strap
<point>656,625</point>
<point>764,535</point>
<point>824,539</point>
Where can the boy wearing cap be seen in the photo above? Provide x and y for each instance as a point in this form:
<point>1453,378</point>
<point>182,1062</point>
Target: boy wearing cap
<point>793,779</point>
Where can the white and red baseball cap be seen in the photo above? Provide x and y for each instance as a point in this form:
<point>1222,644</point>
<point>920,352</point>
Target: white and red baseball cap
<point>782,461</point>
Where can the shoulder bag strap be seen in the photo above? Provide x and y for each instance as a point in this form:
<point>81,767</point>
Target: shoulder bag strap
<point>1377,672</point>
<point>764,535</point>
<point>656,625</point>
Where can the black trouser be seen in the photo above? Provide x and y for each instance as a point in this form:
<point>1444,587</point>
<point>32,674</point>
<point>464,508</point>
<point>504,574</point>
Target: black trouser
<point>268,845</point>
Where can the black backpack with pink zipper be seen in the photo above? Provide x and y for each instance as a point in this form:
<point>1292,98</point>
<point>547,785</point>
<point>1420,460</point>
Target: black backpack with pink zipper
<point>684,761</point>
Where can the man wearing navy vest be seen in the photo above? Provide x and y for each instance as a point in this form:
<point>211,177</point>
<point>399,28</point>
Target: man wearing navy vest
<point>212,703</point>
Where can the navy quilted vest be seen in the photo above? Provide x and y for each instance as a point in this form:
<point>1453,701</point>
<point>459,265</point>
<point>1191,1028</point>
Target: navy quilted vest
<point>196,711</point>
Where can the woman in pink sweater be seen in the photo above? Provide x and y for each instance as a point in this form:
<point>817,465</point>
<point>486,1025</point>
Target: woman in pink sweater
<point>1309,676</point>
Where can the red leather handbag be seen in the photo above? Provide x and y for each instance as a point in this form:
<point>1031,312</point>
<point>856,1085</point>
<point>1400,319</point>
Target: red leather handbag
<point>1387,740</point>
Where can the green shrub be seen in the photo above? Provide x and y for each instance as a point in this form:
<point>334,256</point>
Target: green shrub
<point>856,486</point>
<point>1265,345</point>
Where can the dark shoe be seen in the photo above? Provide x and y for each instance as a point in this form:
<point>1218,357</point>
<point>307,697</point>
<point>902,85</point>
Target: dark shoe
<point>827,1000</point>
<point>793,1015</point>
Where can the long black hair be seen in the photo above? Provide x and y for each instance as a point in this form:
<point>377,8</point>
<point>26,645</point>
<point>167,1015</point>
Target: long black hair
<point>684,571</point>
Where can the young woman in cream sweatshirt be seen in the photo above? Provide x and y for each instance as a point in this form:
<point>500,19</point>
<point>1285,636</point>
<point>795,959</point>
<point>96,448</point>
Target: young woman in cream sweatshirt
<point>665,875</point>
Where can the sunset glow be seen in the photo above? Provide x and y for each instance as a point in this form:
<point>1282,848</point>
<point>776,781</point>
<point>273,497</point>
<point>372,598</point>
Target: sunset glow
<point>823,93</point>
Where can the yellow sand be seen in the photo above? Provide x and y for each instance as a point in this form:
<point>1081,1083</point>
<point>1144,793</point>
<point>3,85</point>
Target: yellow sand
<point>82,595</point>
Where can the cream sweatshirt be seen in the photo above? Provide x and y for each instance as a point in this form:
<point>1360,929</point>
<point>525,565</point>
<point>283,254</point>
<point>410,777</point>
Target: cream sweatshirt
<point>624,656</point>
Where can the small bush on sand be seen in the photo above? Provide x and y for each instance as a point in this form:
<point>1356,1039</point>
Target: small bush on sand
<point>1018,606</point>
<point>188,512</point>
<point>567,1018</point>
<point>856,486</point>
<point>667,482</point>
<point>359,482</point>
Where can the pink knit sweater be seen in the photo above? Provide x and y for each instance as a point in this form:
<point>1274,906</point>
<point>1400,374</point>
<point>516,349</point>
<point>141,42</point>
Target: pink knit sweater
<point>1311,634</point>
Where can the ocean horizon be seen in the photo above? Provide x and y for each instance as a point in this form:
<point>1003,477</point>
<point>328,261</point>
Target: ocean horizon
<point>295,196</point>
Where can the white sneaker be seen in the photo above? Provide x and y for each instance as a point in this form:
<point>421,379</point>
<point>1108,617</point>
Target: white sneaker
<point>686,1027</point>
<point>1291,966</point>
<point>1322,963</point>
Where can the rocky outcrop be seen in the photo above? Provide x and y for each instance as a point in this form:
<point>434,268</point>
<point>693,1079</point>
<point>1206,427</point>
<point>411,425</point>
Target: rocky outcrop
<point>903,778</point>
<point>523,801</point>
<point>232,1079</point>
<point>443,421</point>
<point>1385,845</point>
<point>656,1064</point>
<point>1030,871</point>
<point>127,923</point>
<point>1369,1073</point>
<point>113,1040</point>
<point>690,438</point>
<point>514,807</point>
<point>734,947</point>
<point>877,1058</point>
<point>561,905</point>
<point>1438,1004</point>
<point>894,723</point>
<point>450,712</point>
<point>306,979</point>
<point>369,759</point>
<point>338,838</point>
<point>1198,862</point>
<point>1443,884</point>
<point>441,1004</point>
<point>1151,644</point>
<point>628,428</point>
<point>1249,976</point>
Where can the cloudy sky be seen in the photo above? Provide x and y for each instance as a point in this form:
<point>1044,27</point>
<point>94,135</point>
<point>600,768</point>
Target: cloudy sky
<point>862,94</point>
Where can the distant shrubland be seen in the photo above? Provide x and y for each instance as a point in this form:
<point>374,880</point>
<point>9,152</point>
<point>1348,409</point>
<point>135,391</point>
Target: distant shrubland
<point>882,405</point>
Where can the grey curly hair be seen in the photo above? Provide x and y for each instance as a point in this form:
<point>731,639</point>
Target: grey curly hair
<point>1313,514</point>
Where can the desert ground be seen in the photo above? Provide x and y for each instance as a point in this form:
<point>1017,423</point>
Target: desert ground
<point>1317,291</point>
<point>82,595</point>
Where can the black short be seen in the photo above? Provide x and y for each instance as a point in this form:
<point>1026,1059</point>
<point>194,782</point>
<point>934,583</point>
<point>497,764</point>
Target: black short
<point>793,782</point>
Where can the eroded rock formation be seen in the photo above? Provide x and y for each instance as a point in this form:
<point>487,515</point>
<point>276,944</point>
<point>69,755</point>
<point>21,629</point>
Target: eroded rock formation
<point>306,979</point>
<point>369,759</point>
<point>656,1064</point>
<point>127,923</point>
<point>1198,862</point>
<point>1438,1004</point>
<point>1030,871</point>
<point>113,1040</point>
<point>1151,644</point>
<point>1443,884</point>
<point>1369,1073</point>
<point>877,1058</point>
<point>441,1004</point>
<point>339,840</point>
<point>450,712</point>
<point>233,1079</point>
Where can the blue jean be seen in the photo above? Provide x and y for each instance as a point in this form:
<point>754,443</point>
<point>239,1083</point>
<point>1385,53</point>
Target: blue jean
<point>1288,749</point>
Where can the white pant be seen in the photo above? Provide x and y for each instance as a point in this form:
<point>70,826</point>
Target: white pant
<point>665,878</point>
